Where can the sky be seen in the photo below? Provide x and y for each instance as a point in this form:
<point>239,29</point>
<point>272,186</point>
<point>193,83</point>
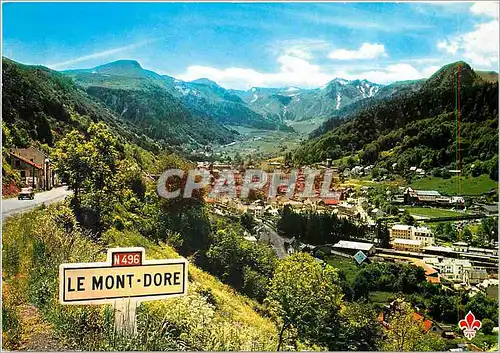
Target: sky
<point>244,45</point>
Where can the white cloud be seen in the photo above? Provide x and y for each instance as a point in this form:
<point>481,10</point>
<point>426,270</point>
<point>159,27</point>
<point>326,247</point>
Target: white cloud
<point>480,45</point>
<point>449,47</point>
<point>101,54</point>
<point>366,51</point>
<point>488,8</point>
<point>303,48</point>
<point>393,73</point>
<point>300,72</point>
<point>294,71</point>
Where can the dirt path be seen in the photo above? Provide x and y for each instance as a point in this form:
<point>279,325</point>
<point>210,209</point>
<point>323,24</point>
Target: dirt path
<point>37,335</point>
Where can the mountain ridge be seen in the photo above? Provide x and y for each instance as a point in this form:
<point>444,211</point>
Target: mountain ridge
<point>417,127</point>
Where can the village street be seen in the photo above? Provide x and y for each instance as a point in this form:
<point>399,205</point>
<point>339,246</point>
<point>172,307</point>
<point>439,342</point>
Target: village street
<point>13,205</point>
<point>268,234</point>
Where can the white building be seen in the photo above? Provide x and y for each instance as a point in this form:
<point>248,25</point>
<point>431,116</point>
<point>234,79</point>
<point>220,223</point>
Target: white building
<point>423,235</point>
<point>255,210</point>
<point>407,245</point>
<point>401,231</point>
<point>459,270</point>
<point>460,246</point>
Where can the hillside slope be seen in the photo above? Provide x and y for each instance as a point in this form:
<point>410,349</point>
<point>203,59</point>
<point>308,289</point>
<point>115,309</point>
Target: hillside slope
<point>201,98</point>
<point>40,105</point>
<point>211,317</point>
<point>418,128</point>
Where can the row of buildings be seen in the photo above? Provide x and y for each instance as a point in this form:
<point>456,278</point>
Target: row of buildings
<point>34,167</point>
<point>430,197</point>
<point>409,238</point>
<point>458,270</point>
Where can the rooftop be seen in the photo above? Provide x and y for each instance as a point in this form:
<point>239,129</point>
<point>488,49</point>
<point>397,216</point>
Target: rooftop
<point>401,227</point>
<point>438,248</point>
<point>423,230</point>
<point>406,241</point>
<point>27,161</point>
<point>427,193</point>
<point>345,244</point>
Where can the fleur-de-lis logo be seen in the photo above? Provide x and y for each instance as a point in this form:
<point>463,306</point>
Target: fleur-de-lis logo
<point>469,325</point>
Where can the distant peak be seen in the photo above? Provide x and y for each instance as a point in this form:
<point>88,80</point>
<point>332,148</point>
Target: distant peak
<point>448,76</point>
<point>120,68</point>
<point>205,81</point>
<point>123,63</point>
<point>338,80</point>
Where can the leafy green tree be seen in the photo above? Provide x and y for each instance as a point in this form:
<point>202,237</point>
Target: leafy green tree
<point>407,218</point>
<point>89,165</point>
<point>246,266</point>
<point>489,228</point>
<point>404,333</point>
<point>445,173</point>
<point>360,329</point>
<point>487,326</point>
<point>247,221</point>
<point>238,160</point>
<point>467,235</point>
<point>431,342</point>
<point>383,234</point>
<point>444,307</point>
<point>305,295</point>
<point>483,307</point>
<point>71,162</point>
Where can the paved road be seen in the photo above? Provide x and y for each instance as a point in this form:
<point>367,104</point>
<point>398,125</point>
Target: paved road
<point>268,234</point>
<point>13,206</point>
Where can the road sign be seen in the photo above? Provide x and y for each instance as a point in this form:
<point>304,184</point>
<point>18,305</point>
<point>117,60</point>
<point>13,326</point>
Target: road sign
<point>360,257</point>
<point>125,275</point>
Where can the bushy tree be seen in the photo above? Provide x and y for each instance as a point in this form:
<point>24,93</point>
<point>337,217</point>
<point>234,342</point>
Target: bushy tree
<point>404,333</point>
<point>487,326</point>
<point>359,330</point>
<point>245,265</point>
<point>305,295</point>
<point>89,164</point>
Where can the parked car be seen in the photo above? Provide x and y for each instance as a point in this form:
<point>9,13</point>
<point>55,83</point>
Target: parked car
<point>26,193</point>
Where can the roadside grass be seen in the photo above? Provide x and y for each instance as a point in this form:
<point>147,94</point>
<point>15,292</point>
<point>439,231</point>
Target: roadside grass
<point>470,185</point>
<point>211,317</point>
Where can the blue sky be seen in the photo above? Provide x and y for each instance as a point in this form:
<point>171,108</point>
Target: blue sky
<point>261,44</point>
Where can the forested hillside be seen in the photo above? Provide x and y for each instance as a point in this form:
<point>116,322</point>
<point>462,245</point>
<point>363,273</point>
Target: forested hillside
<point>156,113</point>
<point>41,105</point>
<point>202,99</point>
<point>419,128</point>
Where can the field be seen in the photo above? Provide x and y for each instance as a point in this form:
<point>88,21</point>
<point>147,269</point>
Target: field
<point>347,266</point>
<point>470,185</point>
<point>432,212</point>
<point>306,126</point>
<point>254,141</point>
